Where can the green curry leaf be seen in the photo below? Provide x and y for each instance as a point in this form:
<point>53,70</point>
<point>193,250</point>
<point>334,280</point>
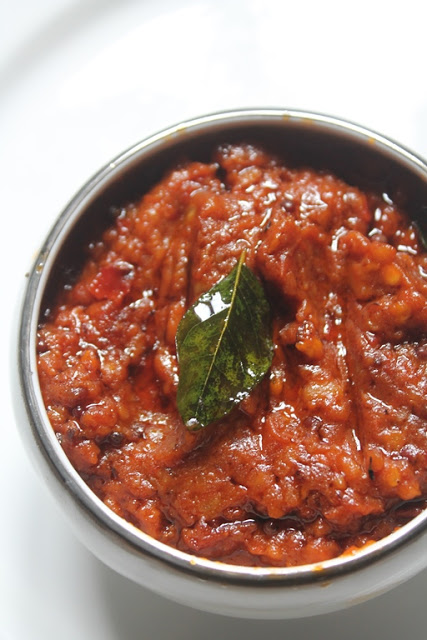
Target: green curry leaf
<point>224,347</point>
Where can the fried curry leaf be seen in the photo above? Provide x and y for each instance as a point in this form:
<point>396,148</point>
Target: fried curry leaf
<point>224,347</point>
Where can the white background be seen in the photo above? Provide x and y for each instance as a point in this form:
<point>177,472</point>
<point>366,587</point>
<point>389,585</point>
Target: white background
<point>80,81</point>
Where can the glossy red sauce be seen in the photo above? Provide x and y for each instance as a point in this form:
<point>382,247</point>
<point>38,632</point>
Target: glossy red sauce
<point>330,450</point>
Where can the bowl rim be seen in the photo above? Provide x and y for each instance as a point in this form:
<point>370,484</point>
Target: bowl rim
<point>125,532</point>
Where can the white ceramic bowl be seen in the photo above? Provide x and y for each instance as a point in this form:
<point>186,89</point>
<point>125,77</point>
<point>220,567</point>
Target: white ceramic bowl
<point>354,153</point>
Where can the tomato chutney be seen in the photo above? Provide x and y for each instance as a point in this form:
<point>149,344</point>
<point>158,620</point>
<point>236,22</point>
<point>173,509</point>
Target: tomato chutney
<point>329,451</point>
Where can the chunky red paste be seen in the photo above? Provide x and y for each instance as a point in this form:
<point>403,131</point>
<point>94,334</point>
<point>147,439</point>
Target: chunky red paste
<point>330,450</point>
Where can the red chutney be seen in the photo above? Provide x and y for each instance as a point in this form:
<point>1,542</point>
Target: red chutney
<point>330,450</point>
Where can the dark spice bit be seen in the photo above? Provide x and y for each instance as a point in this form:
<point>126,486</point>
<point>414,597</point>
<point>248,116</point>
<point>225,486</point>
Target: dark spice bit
<point>113,439</point>
<point>370,470</point>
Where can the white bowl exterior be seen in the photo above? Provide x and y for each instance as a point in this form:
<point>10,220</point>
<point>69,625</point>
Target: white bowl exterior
<point>264,599</point>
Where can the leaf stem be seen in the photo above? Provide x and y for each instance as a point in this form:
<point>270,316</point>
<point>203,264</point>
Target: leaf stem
<point>225,324</point>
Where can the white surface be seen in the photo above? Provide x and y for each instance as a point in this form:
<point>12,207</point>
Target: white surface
<point>79,82</point>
